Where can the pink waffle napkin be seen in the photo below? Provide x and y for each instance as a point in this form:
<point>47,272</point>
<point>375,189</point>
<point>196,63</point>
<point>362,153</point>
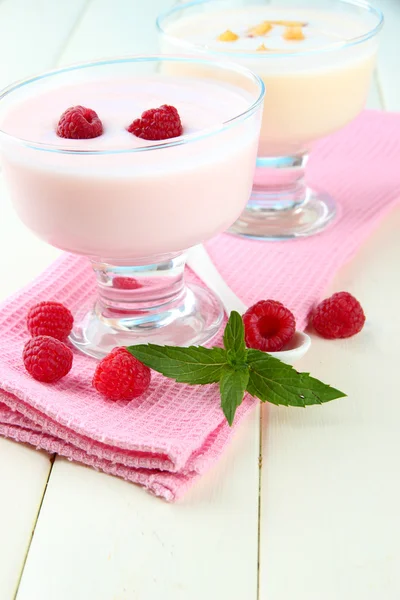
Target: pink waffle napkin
<point>360,167</point>
<point>169,436</point>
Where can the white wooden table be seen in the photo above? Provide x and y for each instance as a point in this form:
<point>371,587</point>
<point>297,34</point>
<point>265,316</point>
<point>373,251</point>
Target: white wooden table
<point>304,505</point>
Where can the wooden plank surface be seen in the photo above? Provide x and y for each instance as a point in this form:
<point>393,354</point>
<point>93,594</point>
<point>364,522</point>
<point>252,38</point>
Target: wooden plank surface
<point>23,477</point>
<point>330,482</point>
<point>101,538</point>
<point>115,28</point>
<point>389,56</point>
<point>32,36</point>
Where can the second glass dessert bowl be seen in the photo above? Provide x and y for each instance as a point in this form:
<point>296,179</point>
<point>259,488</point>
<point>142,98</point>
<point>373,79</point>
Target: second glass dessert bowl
<point>316,59</point>
<point>131,205</point>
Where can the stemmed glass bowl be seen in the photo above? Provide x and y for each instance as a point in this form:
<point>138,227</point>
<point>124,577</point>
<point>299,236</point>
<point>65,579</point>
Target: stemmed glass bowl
<point>134,211</point>
<point>313,89</point>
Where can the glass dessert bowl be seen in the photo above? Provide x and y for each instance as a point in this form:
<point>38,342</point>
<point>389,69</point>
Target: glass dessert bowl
<point>132,205</point>
<point>316,59</point>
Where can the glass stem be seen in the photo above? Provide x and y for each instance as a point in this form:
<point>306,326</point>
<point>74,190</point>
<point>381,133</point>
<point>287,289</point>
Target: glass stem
<point>149,302</point>
<point>279,183</point>
<point>281,205</point>
<point>132,296</point>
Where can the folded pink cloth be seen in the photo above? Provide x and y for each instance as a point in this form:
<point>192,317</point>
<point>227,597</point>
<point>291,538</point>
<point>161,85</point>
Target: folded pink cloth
<point>360,167</point>
<point>166,438</point>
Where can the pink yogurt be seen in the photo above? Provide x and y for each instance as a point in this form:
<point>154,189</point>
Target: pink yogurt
<point>109,198</point>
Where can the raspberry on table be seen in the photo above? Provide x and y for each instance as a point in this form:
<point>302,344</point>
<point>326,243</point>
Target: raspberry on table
<point>157,124</point>
<point>120,376</point>
<point>47,359</point>
<point>50,318</point>
<point>126,283</point>
<point>268,326</point>
<point>340,316</point>
<point>79,123</point>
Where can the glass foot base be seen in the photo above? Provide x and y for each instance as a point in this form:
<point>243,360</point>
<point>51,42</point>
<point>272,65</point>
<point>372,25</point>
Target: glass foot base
<point>193,319</point>
<point>261,222</point>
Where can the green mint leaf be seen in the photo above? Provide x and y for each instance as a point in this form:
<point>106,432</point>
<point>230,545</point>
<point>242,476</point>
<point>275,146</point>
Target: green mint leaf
<point>232,387</point>
<point>194,365</point>
<point>273,381</point>
<point>234,335</point>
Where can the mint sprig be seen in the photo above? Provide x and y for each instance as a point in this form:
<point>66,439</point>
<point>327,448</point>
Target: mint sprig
<point>195,365</point>
<point>238,370</point>
<point>232,387</point>
<point>234,335</point>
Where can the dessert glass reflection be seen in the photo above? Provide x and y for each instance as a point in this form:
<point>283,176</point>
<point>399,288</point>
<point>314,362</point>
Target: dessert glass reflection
<point>316,59</point>
<point>130,205</point>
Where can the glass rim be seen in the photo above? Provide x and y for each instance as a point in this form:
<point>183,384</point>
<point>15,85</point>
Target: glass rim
<point>363,4</point>
<point>184,139</point>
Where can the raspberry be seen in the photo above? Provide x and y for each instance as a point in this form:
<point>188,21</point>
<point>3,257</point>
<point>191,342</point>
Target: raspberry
<point>268,326</point>
<point>79,123</point>
<point>157,124</point>
<point>50,318</point>
<point>120,376</point>
<point>47,359</point>
<point>126,283</point>
<point>339,316</point>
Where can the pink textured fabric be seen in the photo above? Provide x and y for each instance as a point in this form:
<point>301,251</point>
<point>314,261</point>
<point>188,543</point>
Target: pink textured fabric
<point>359,167</point>
<point>169,436</point>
